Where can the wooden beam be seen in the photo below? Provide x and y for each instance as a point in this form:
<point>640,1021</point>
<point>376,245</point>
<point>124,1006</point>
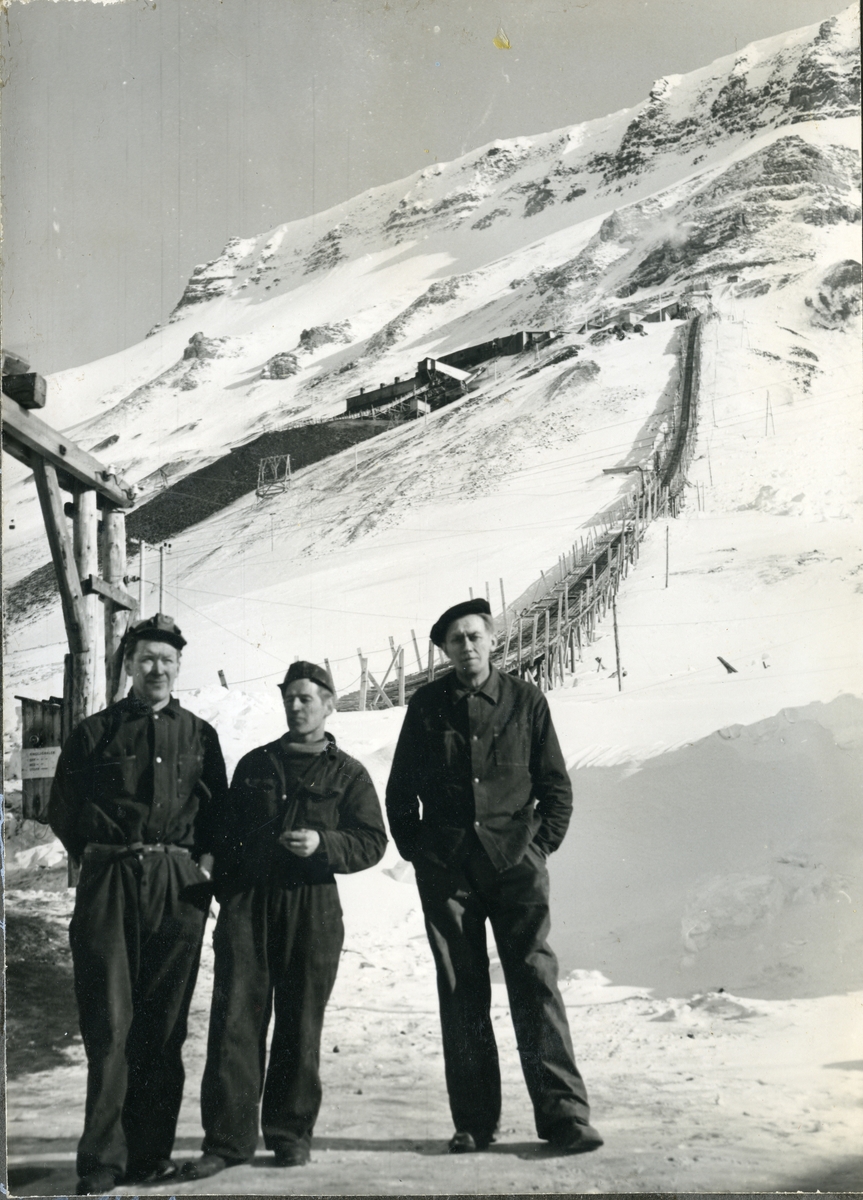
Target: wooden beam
<point>381,694</point>
<point>68,583</point>
<point>23,429</point>
<point>28,389</point>
<point>93,585</point>
<point>85,541</point>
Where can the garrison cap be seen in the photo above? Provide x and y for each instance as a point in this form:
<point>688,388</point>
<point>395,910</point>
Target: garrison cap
<point>467,608</point>
<point>308,670</point>
<point>158,628</point>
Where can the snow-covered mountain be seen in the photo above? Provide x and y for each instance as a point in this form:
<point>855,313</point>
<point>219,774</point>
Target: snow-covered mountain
<point>735,186</point>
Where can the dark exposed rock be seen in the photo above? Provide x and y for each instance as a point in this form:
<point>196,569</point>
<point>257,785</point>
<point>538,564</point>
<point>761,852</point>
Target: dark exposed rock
<point>203,347</point>
<point>753,287</point>
<point>540,197</point>
<point>111,440</point>
<point>323,335</point>
<point>490,218</point>
<point>326,253</point>
<point>211,279</point>
<point>838,298</point>
<point>280,366</point>
<point>824,84</point>
<point>440,292</point>
<point>832,214</point>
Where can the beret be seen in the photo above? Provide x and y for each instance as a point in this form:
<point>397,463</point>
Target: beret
<point>159,628</point>
<point>467,608</point>
<point>308,670</point>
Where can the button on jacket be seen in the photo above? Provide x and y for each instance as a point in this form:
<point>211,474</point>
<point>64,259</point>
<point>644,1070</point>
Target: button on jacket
<point>334,795</point>
<point>129,774</point>
<point>487,760</point>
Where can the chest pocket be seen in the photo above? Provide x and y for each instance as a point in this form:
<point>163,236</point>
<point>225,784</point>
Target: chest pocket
<point>115,777</point>
<point>511,746</point>
<point>318,807</point>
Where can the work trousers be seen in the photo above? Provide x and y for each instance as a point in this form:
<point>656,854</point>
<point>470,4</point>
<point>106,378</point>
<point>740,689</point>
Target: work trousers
<point>277,950</point>
<point>457,901</point>
<point>136,938</point>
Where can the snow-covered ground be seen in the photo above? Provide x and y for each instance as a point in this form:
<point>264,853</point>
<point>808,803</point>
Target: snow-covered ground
<point>707,897</point>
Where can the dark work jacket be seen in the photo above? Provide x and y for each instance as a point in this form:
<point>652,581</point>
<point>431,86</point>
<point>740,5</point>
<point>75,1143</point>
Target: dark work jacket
<point>489,761</point>
<point>334,796</point>
<point>129,775</point>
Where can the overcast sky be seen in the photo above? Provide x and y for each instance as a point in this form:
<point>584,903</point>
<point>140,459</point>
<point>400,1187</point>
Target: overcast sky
<point>138,137</point>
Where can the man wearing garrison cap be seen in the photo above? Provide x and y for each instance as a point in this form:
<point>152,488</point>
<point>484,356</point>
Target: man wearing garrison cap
<point>479,752</point>
<point>300,810</point>
<point>137,800</point>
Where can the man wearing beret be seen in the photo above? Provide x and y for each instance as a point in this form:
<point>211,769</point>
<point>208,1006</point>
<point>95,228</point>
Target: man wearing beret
<point>300,810</point>
<point>137,800</point>
<point>479,752</point>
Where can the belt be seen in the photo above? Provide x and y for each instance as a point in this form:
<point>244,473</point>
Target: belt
<point>103,852</point>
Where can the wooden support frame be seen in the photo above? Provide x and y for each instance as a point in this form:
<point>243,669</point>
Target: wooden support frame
<point>93,585</point>
<point>27,438</point>
<point>60,543</point>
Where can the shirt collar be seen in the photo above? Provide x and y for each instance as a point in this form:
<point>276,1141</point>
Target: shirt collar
<point>329,744</point>
<point>140,708</point>
<point>490,689</point>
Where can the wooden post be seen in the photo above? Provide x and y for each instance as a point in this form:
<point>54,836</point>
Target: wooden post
<point>401,677</point>
<point>548,665</point>
<point>417,652</point>
<point>635,538</point>
<point>379,688</point>
<point>431,661</point>
<point>506,646</point>
<point>621,562</point>
<point>503,602</point>
<point>364,682</point>
<point>162,578</point>
<point>85,541</point>
<point>518,661</point>
<point>616,644</point>
<point>66,714</point>
<point>533,641</point>
<point>116,619</point>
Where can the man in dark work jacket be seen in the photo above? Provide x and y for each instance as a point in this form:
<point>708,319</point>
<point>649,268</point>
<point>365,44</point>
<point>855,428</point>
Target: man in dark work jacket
<point>137,799</point>
<point>478,750</point>
<point>300,809</point>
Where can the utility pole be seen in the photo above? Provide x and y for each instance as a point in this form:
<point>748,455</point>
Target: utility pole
<point>616,642</point>
<point>142,547</point>
<point>117,618</point>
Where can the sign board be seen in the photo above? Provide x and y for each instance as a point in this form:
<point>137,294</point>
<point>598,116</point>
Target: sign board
<point>41,736</point>
<point>39,762</point>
